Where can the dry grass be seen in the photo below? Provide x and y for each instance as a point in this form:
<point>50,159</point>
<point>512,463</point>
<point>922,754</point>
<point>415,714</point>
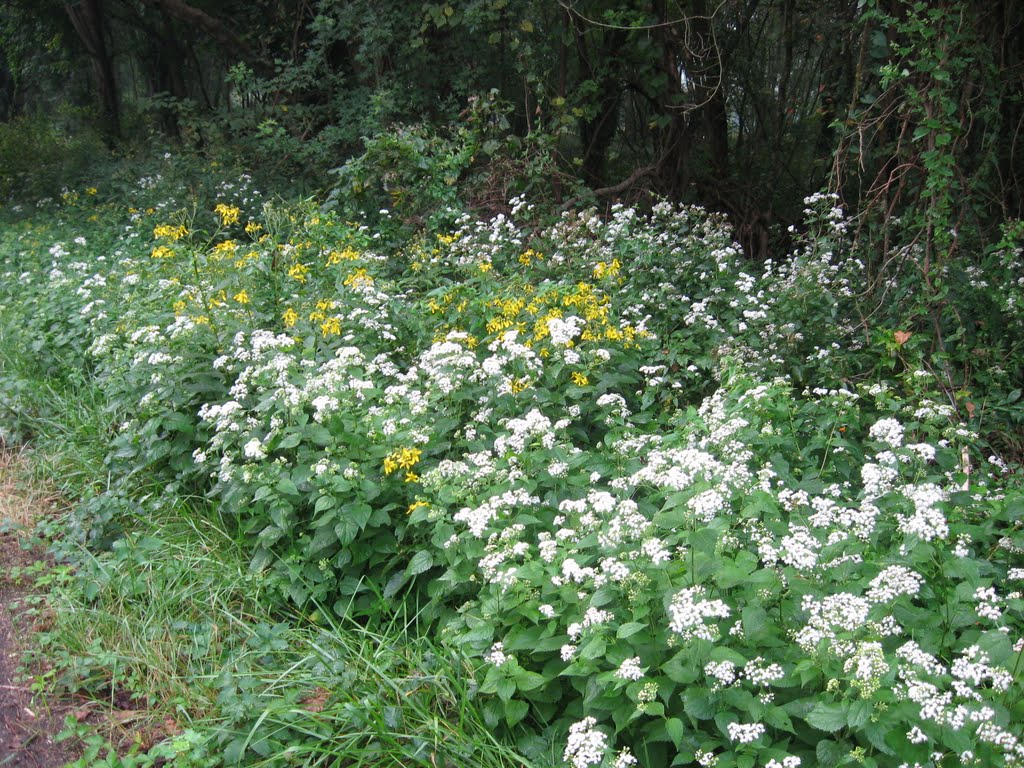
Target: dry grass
<point>22,499</point>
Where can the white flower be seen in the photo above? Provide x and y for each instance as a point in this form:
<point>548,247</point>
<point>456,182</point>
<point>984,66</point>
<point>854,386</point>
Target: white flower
<point>585,746</point>
<point>744,733</point>
<point>894,581</point>
<point>630,669</point>
<point>497,655</point>
<point>724,673</point>
<point>687,613</point>
<point>254,450</point>
<point>888,431</point>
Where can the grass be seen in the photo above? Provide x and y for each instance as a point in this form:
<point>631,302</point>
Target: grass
<point>165,637</point>
<point>159,630</point>
<point>22,497</point>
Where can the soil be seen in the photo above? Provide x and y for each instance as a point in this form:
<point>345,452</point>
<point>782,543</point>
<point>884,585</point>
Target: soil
<point>28,726</point>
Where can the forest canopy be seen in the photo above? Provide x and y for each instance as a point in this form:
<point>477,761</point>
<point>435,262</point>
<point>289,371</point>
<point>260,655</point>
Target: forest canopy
<point>744,107</point>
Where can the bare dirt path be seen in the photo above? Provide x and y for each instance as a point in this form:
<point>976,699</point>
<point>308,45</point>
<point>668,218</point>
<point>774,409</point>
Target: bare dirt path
<point>27,728</point>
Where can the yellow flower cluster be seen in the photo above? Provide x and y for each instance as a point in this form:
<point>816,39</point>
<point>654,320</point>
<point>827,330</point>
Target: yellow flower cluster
<point>162,252</point>
<point>603,269</point>
<point>225,250</point>
<point>359,278</point>
<point>403,458</point>
<point>331,326</point>
<point>298,272</point>
<point>290,317</point>
<point>170,232</point>
<point>228,214</point>
<point>336,257</point>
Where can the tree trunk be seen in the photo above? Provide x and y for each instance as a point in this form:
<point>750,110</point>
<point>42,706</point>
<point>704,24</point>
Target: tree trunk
<point>87,18</point>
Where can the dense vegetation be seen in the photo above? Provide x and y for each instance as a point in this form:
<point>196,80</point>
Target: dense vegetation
<point>493,385</point>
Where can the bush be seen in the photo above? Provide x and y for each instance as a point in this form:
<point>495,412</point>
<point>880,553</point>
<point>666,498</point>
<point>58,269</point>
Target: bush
<point>677,508</point>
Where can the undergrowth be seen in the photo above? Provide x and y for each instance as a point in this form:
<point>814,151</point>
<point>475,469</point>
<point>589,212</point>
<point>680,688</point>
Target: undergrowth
<point>588,491</point>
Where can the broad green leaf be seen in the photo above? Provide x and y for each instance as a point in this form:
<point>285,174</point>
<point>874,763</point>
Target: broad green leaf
<point>827,717</point>
<point>421,561</point>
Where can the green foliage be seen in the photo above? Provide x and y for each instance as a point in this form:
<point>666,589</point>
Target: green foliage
<point>664,501</point>
<point>38,160</point>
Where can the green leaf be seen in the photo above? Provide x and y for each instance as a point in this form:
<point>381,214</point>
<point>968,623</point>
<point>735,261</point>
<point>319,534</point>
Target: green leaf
<point>421,561</point>
<point>287,487</point>
<point>777,718</point>
<point>594,649</point>
<point>506,689</point>
<point>324,502</point>
<point>829,753</point>
<point>700,704</point>
<point>528,681</point>
<point>827,717</point>
<point>319,435</point>
<point>629,629</point>
<point>859,714</point>
<point>674,728</point>
<point>515,711</point>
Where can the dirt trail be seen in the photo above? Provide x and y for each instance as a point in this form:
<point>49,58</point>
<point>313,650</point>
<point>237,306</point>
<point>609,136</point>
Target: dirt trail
<point>27,730</point>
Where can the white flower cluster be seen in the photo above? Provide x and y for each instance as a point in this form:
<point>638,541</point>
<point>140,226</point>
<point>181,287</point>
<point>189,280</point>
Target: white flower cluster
<point>585,745</point>
<point>888,431</point>
<point>892,582</point>
<point>841,612</point>
<point>688,611</point>
<point>744,733</point>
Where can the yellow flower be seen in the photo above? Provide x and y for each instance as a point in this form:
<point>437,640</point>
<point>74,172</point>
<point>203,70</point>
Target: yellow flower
<point>242,297</point>
<point>403,458</point>
<point>228,214</point>
<point>162,252</point>
<point>290,317</point>
<point>246,258</point>
<point>518,385</point>
<point>527,257</point>
<point>336,257</point>
<point>607,270</point>
<point>298,272</point>
<point>91,190</point>
<point>331,325</point>
<point>580,379</point>
<point>416,505</point>
<point>358,279</point>
<point>225,250</point>
<point>169,232</point>
<point>485,266</point>
<point>252,228</point>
